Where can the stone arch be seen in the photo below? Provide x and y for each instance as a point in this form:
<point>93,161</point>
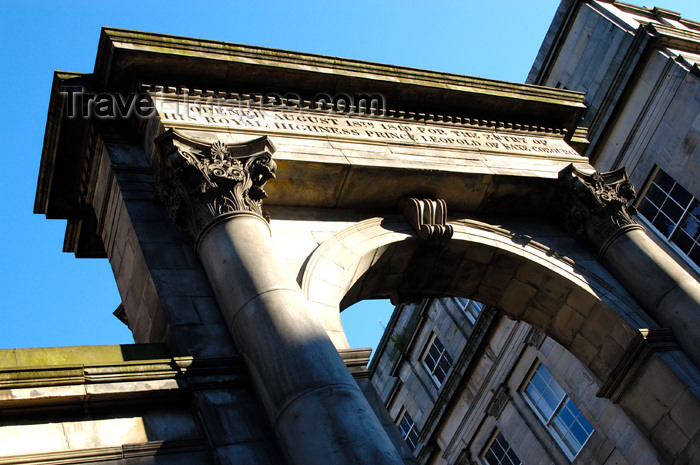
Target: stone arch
<point>582,309</point>
<point>576,302</point>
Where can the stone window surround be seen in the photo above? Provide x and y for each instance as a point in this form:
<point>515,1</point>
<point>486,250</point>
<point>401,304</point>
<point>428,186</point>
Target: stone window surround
<point>408,429</point>
<point>497,439</point>
<point>443,356</point>
<point>547,422</point>
<point>648,221</point>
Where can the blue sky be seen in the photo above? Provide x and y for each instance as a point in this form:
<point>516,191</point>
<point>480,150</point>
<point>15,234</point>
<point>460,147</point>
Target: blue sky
<point>49,298</point>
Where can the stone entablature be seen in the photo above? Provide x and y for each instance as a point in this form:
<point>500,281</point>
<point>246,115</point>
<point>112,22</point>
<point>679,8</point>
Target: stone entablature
<point>214,111</point>
<point>473,112</point>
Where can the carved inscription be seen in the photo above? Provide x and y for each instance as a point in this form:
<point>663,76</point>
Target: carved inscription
<point>311,123</point>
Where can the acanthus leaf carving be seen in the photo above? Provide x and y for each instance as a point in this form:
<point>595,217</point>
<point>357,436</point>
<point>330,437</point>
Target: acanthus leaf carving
<point>501,397</point>
<point>595,207</point>
<point>201,181</point>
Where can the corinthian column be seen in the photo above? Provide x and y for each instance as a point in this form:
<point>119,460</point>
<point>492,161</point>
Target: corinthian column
<point>596,209</point>
<point>214,193</point>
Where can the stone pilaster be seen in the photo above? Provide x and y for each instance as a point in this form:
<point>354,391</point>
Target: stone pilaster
<point>319,414</point>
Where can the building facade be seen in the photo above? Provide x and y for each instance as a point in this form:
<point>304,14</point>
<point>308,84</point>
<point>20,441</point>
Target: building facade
<point>467,386</point>
<point>639,69</point>
<point>160,161</point>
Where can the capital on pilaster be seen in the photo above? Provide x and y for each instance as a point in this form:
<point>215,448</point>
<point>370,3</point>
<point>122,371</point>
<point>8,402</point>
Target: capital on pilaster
<point>596,207</point>
<point>200,181</point>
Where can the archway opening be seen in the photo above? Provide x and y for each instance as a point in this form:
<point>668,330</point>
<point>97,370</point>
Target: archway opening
<point>365,321</point>
<point>547,281</point>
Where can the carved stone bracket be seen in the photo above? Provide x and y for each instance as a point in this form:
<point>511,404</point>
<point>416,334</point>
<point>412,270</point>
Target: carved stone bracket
<point>428,217</point>
<point>596,208</point>
<point>199,181</point>
<point>498,402</point>
<point>634,360</point>
<point>535,338</point>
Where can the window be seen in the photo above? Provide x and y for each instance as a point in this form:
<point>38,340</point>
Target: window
<point>437,361</point>
<point>471,308</point>
<point>498,452</point>
<point>556,410</point>
<point>408,430</point>
<point>674,213</point>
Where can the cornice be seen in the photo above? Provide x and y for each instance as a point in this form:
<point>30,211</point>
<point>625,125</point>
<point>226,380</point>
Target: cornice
<point>22,385</point>
<point>124,452</point>
<point>516,125</point>
<point>113,40</point>
<point>675,38</point>
<point>54,121</point>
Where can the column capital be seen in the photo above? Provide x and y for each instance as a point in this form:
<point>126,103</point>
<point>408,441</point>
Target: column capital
<point>199,181</point>
<point>596,207</point>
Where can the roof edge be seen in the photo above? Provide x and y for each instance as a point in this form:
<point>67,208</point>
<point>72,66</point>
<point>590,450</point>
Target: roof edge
<point>114,39</point>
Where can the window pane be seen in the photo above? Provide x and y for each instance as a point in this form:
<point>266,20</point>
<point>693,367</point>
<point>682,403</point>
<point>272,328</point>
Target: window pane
<point>550,403</point>
<point>663,224</point>
<point>566,415</point>
<point>656,195</point>
<point>559,413</point>
<point>681,195</point>
<point>512,458</point>
<point>683,241</point>
<point>672,210</point>
<point>491,458</point>
<point>500,453</point>
<point>674,213</point>
<point>437,343</point>
<point>691,226</point>
<point>556,389</point>
<point>538,383</point>
<point>443,367</point>
<point>695,255</point>
<point>578,432</point>
<point>433,355</point>
<point>648,209</point>
<point>695,209</point>
<point>408,430</point>
<point>665,181</point>
<point>437,361</point>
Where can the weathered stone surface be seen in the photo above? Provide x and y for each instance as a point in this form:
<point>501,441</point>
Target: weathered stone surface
<point>491,150</point>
